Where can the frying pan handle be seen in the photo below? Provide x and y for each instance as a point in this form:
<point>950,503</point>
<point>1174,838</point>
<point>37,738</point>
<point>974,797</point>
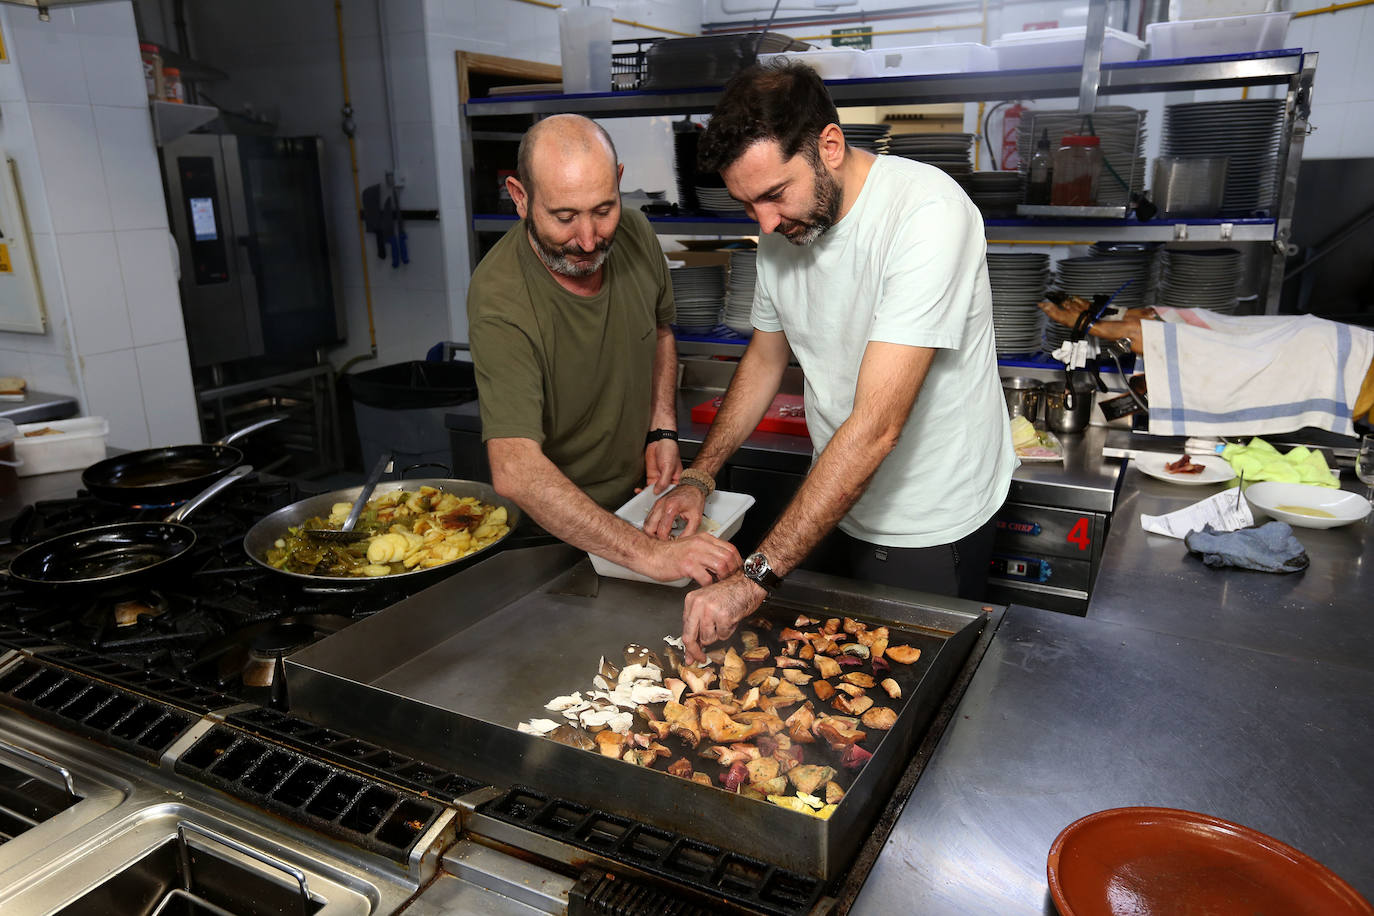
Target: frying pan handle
<point>181,513</point>
<point>250,428</point>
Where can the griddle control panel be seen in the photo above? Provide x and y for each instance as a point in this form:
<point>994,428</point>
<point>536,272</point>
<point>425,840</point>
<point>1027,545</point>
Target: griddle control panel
<point>1023,569</point>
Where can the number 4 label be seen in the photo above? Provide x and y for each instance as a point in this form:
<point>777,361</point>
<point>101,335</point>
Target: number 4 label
<point>1079,535</point>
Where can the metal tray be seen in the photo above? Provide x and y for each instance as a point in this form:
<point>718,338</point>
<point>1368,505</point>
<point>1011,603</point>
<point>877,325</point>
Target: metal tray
<point>447,673</point>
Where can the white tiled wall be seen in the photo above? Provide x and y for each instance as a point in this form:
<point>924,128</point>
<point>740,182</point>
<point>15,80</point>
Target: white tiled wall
<point>74,115</point>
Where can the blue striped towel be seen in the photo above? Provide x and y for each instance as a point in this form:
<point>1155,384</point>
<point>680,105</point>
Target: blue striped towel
<point>1220,375</point>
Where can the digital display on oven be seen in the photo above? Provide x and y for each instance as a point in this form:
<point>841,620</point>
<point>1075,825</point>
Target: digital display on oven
<point>203,219</point>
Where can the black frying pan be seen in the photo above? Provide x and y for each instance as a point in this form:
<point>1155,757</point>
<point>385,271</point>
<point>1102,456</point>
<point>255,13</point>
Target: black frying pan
<point>158,476</point>
<point>111,554</point>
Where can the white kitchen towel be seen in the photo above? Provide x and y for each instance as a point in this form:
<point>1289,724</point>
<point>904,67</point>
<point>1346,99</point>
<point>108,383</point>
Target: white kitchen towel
<point>1221,375</point>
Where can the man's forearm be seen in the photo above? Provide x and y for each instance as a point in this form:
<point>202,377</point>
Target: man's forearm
<point>889,381</point>
<point>522,472</point>
<point>664,411</point>
<point>840,476</point>
<point>751,390</point>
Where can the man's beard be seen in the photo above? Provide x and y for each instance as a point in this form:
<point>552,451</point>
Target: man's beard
<point>825,211</point>
<point>560,259</point>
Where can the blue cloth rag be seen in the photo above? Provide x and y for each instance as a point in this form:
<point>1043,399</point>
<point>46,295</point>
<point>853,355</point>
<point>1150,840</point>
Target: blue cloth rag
<point>1271,547</point>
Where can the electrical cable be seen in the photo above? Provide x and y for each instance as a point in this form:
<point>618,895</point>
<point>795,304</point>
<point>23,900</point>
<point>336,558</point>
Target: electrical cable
<point>987,138</point>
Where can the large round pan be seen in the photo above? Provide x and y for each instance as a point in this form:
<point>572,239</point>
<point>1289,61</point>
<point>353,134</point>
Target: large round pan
<point>158,476</point>
<point>262,536</point>
<point>114,554</point>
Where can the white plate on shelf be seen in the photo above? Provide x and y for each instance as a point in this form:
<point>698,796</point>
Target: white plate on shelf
<point>1218,469</point>
<point>1276,500</point>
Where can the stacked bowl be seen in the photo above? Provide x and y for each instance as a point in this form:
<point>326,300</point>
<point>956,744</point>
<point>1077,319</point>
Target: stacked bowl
<point>698,293</point>
<point>1019,282</point>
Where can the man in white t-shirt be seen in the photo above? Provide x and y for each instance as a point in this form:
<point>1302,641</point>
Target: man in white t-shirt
<point>872,271</point>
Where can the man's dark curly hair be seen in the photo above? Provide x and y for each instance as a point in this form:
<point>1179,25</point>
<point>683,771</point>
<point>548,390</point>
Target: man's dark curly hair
<point>785,101</point>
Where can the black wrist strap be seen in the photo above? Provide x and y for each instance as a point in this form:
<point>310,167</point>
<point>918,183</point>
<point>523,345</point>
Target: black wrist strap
<point>657,434</point>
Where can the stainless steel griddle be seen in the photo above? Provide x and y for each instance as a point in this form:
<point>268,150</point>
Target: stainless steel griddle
<point>447,673</point>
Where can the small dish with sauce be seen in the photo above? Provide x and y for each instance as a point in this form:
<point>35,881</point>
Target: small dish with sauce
<point>1305,506</point>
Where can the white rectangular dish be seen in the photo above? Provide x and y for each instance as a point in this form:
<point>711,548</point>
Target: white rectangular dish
<point>955,57</point>
<point>77,443</point>
<point>724,516</point>
<point>1209,37</point>
<point>830,63</point>
<point>1061,48</point>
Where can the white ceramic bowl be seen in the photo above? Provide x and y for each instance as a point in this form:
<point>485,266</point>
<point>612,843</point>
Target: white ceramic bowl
<point>1272,498</point>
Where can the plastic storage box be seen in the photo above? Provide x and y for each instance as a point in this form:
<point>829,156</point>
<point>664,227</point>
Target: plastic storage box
<point>956,57</point>
<point>1061,48</point>
<point>830,63</point>
<point>1227,35</point>
<point>1180,10</point>
<point>724,515</point>
<point>77,444</point>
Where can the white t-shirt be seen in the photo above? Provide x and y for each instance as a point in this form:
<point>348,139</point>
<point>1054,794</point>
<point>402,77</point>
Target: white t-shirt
<point>905,265</point>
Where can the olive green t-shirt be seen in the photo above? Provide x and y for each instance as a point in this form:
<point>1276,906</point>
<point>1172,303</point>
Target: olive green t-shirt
<point>573,373</point>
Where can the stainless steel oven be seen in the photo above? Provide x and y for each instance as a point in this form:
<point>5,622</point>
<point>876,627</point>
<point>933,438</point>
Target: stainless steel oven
<point>259,276</point>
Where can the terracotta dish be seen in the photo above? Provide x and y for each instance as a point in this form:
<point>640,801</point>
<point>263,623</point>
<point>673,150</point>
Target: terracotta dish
<point>1143,861</point>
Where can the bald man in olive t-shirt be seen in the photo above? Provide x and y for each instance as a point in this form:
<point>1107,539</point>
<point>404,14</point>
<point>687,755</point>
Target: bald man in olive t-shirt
<point>568,322</point>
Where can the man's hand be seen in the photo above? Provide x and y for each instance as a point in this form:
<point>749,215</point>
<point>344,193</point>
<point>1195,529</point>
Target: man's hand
<point>662,464</point>
<point>704,558</point>
<point>711,614</point>
<point>684,500</point>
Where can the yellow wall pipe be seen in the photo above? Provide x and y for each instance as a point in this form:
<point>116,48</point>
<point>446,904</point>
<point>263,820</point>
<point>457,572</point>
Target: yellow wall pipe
<point>1334,8</point>
<point>357,195</point>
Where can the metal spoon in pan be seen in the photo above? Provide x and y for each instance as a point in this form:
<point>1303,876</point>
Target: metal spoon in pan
<point>346,534</point>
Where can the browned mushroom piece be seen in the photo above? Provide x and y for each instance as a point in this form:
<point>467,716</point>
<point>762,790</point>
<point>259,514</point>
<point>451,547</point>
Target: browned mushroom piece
<point>893,689</point>
<point>880,717</point>
<point>903,655</point>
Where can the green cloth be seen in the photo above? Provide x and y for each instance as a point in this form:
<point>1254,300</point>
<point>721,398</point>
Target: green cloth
<point>573,373</point>
<point>1261,461</point>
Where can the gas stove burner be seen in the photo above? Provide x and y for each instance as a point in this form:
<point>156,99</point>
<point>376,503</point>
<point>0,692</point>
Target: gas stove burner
<point>252,655</point>
<point>128,611</point>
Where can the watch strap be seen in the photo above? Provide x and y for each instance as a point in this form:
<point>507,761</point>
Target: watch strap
<point>656,434</point>
<point>762,573</point>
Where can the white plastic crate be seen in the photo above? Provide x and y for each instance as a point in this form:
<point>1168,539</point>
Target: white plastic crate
<point>830,63</point>
<point>77,444</point>
<point>1208,37</point>
<point>1180,10</point>
<point>1061,48</point>
<point>724,515</point>
<point>956,57</point>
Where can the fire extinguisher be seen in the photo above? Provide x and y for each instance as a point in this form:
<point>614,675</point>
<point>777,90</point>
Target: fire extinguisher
<point>1011,123</point>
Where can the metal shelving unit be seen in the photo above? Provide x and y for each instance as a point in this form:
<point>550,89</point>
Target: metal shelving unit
<point>1291,68</point>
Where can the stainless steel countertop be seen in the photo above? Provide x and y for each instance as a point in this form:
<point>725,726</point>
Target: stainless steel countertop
<point>37,406</point>
<point>1149,581</point>
<point>1066,716</point>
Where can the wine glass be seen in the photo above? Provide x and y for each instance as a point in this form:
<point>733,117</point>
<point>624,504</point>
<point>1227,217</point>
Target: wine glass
<point>1364,469</point>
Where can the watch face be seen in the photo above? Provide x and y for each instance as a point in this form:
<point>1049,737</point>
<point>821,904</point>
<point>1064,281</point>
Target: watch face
<point>755,565</point>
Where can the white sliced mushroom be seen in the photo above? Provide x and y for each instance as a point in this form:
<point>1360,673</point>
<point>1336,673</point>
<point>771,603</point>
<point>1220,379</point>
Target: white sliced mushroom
<point>620,723</point>
<point>675,642</point>
<point>650,693</point>
<point>558,704</point>
<point>631,673</point>
<point>543,726</point>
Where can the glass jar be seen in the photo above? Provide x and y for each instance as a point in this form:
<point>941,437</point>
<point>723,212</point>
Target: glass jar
<point>1077,166</point>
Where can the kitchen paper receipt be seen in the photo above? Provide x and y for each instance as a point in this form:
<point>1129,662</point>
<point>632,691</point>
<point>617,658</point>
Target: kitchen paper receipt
<point>1219,510</point>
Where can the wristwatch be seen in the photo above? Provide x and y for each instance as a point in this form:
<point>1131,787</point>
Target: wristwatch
<point>756,569</point>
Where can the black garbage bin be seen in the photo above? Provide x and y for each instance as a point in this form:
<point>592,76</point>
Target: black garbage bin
<point>401,407</point>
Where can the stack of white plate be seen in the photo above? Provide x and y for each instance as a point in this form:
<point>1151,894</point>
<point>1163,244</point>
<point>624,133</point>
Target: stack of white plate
<point>1142,253</point>
<point>1019,281</point>
<point>1247,131</point>
<point>872,137</point>
<point>1121,130</point>
<point>718,200</point>
<point>739,291</point>
<point>950,152</point>
<point>995,193</point>
<point>698,293</point>
<point>1200,278</point>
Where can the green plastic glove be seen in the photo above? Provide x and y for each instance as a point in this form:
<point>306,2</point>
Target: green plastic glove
<point>1261,461</point>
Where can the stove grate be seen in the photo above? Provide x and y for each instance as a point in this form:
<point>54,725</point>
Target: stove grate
<point>745,882</point>
<point>355,753</point>
<point>119,718</point>
<point>380,817</point>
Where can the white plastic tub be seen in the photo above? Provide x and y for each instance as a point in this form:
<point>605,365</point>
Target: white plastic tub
<point>1061,48</point>
<point>1179,10</point>
<point>77,444</point>
<point>956,57</point>
<point>1208,37</point>
<point>724,515</point>
<point>830,63</point>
